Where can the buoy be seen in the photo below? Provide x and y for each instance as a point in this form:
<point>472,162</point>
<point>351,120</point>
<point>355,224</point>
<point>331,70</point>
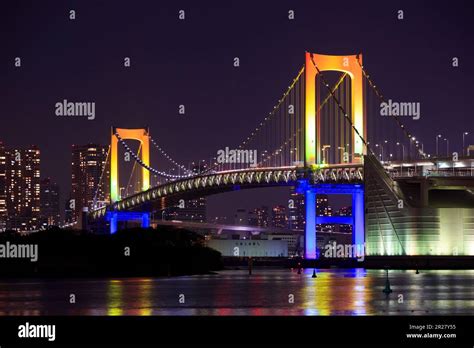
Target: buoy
<point>387,289</point>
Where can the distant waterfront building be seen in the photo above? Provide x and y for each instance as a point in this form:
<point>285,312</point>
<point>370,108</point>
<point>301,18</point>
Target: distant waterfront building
<point>294,240</point>
<point>22,188</point>
<point>296,210</point>
<point>249,247</point>
<point>279,216</point>
<point>49,203</point>
<point>88,163</point>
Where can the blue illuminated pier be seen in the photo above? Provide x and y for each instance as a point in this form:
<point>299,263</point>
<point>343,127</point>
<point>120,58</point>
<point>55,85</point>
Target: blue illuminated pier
<point>356,220</point>
<point>115,216</point>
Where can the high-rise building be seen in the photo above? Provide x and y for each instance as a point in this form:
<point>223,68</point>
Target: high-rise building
<point>279,216</point>
<point>22,179</point>
<point>344,211</point>
<point>296,210</point>
<point>322,206</point>
<point>3,188</point>
<point>241,217</point>
<point>192,210</point>
<point>258,217</point>
<point>50,206</point>
<point>90,177</point>
<point>68,211</point>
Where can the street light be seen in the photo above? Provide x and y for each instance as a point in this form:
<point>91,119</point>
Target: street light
<point>381,152</point>
<point>437,137</point>
<point>403,151</point>
<point>463,146</point>
<point>447,146</point>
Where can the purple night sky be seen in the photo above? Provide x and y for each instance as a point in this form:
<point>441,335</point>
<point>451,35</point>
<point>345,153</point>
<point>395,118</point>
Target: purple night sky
<point>190,62</point>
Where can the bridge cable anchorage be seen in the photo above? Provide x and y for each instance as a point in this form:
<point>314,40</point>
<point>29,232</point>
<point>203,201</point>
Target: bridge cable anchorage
<point>140,162</point>
<point>94,200</point>
<point>168,157</point>
<point>397,118</point>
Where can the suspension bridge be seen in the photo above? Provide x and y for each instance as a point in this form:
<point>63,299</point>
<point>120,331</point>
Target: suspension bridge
<point>325,135</point>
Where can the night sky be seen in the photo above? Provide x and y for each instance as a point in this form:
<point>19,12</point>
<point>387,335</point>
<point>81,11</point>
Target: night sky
<point>190,62</point>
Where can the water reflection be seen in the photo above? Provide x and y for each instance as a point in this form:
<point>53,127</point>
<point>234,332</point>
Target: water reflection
<point>115,297</point>
<point>265,292</point>
<point>337,292</point>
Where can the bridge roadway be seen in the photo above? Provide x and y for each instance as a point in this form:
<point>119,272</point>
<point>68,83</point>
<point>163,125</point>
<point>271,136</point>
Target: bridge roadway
<point>161,196</point>
<point>219,182</point>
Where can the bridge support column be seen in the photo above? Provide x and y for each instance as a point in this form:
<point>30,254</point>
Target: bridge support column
<point>358,215</point>
<point>146,220</point>
<point>115,216</point>
<point>357,220</point>
<point>113,222</point>
<point>310,226</point>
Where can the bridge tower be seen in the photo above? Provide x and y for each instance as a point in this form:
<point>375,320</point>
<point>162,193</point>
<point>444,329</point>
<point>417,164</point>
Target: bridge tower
<point>140,134</point>
<point>314,64</point>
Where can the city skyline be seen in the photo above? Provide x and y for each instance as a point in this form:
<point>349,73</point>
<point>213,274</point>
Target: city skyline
<point>268,160</point>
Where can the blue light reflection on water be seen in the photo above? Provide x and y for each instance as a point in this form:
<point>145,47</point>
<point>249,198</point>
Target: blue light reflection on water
<point>266,292</point>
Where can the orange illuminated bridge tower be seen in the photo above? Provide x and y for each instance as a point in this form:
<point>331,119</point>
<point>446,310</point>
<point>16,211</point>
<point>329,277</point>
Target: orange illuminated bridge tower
<point>139,134</point>
<point>314,65</point>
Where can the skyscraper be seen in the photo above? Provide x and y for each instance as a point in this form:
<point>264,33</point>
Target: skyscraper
<point>296,212</point>
<point>258,217</point>
<point>22,179</point>
<point>49,199</point>
<point>90,177</point>
<point>192,210</point>
<point>3,188</point>
<point>322,205</point>
<point>279,216</point>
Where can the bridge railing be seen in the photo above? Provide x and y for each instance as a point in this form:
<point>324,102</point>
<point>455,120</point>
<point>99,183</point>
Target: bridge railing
<point>412,173</point>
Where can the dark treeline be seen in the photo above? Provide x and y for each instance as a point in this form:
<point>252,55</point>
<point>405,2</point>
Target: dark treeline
<point>133,252</point>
